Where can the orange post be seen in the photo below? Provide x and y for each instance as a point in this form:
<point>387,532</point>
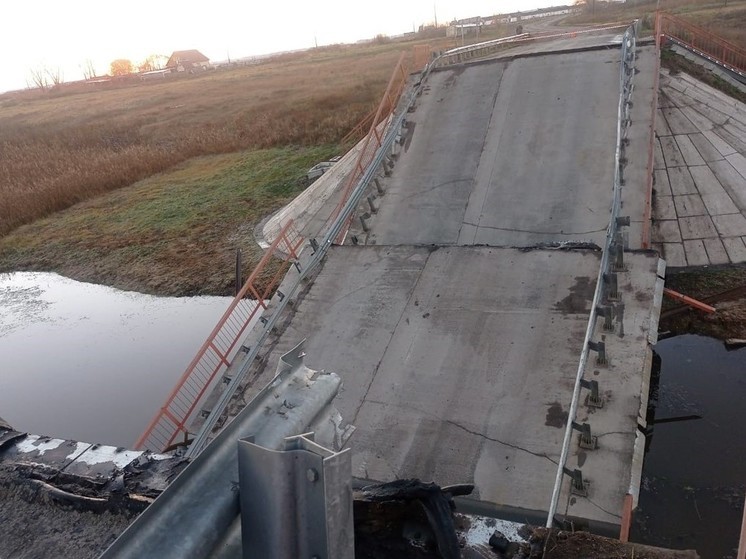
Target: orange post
<point>626,519</point>
<point>699,305</point>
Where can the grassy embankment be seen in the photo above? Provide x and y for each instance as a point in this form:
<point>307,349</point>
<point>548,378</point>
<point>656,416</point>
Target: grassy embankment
<point>726,18</point>
<point>153,186</point>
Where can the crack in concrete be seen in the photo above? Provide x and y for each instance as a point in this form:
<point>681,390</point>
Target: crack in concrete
<point>391,337</point>
<point>494,440</point>
<point>466,429</point>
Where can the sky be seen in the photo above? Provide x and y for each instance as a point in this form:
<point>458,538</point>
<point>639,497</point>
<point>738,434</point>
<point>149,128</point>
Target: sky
<point>65,34</point>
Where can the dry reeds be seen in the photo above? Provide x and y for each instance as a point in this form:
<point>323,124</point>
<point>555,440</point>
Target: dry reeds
<point>57,150</point>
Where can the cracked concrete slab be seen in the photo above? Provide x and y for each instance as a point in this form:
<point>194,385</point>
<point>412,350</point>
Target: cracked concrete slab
<point>705,147</point>
<point>664,208</point>
<point>458,365</point>
<point>661,184</point>
<point>735,248</point>
<point>721,145</point>
<point>730,225</point>
<point>674,255</point>
<point>666,231</point>
<point>690,153</point>
<point>696,255</point>
<point>681,180</point>
<point>697,227</point>
<point>671,153</point>
<point>716,251</point>
<point>689,205</point>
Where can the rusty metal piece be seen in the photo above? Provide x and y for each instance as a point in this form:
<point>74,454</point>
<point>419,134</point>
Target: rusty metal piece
<point>699,305</point>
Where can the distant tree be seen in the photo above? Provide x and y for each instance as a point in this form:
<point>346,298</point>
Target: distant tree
<point>122,67</point>
<point>153,62</point>
<point>89,71</point>
<point>38,78</point>
<point>44,77</point>
<point>55,75</point>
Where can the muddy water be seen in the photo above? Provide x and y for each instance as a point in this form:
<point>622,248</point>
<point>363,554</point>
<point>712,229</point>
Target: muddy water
<point>92,363</point>
<point>694,475</point>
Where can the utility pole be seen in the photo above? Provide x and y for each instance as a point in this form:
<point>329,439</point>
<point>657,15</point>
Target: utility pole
<point>435,13</point>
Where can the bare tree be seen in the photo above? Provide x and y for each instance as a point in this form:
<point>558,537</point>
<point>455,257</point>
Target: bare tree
<point>55,76</point>
<point>89,71</point>
<point>38,78</point>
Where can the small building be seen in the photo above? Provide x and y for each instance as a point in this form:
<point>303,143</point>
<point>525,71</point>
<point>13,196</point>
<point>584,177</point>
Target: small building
<point>187,61</point>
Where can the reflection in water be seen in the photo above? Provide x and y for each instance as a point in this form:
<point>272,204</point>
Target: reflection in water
<point>92,363</point>
<point>692,490</point>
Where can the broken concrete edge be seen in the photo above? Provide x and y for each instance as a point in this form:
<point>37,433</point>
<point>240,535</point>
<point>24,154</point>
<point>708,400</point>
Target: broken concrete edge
<point>87,477</point>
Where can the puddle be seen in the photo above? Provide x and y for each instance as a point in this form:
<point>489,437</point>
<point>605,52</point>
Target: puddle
<point>89,362</point>
<point>694,476</point>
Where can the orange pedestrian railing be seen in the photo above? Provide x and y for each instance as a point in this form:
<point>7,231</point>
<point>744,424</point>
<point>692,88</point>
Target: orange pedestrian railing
<point>374,138</point>
<point>215,356</point>
<point>702,41</point>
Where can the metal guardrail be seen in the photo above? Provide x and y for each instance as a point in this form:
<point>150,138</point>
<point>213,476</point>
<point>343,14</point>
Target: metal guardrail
<point>195,515</point>
<point>605,285</point>
<point>477,50</point>
<point>702,42</point>
<point>216,354</point>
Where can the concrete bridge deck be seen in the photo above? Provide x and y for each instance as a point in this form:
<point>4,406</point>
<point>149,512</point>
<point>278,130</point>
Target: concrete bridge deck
<point>457,350</point>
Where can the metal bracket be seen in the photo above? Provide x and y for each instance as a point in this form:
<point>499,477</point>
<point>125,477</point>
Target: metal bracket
<point>623,221</point>
<point>608,313</point>
<point>594,399</point>
<point>600,348</point>
<point>586,439</point>
<point>617,253</point>
<point>578,486</point>
<point>612,286</point>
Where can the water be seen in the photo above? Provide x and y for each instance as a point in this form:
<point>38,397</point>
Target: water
<point>694,476</point>
<point>92,363</point>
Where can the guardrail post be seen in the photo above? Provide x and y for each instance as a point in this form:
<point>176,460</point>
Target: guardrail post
<point>373,208</point>
<point>586,440</point>
<point>364,222</point>
<point>600,349</point>
<point>295,502</point>
<point>612,285</point>
<point>578,486</point>
<point>594,399</point>
<point>607,312</point>
<point>381,191</point>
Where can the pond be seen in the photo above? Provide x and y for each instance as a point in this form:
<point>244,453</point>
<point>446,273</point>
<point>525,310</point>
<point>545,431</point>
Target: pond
<point>92,363</point>
<point>694,475</point>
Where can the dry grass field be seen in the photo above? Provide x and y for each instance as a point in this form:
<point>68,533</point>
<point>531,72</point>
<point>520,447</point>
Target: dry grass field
<point>60,148</point>
<point>153,185</point>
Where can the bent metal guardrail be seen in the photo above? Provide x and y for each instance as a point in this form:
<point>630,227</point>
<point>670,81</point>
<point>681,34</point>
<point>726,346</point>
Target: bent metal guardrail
<point>702,42</point>
<point>606,269</point>
<point>215,355</point>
